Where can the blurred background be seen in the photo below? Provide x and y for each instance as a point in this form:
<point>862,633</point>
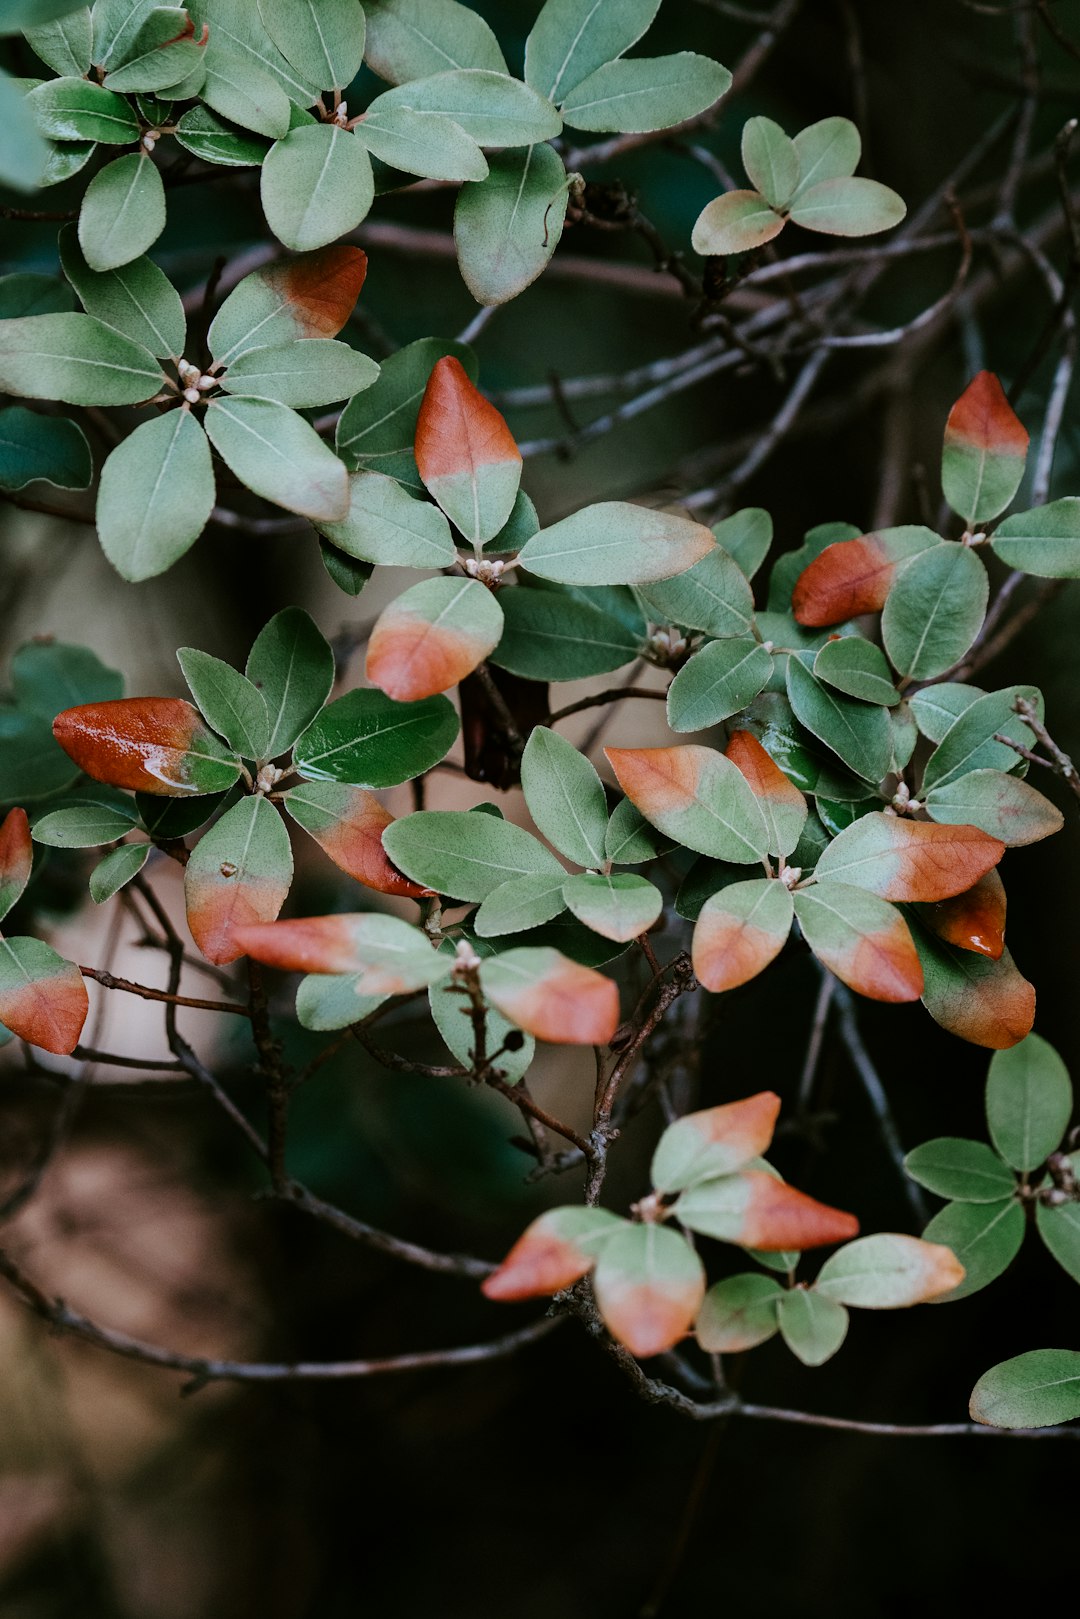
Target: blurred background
<point>540,1485</point>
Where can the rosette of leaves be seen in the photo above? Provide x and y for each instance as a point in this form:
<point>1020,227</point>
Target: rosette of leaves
<point>1028,1170</point>
<point>709,1179</point>
<point>808,179</point>
<point>272,353</point>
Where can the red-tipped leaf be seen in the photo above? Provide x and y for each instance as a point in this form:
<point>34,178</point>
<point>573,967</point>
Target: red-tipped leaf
<point>147,744</point>
<point>16,858</point>
<point>985,449</point>
<point>782,803</point>
<point>758,1210</point>
<point>739,931</point>
<point>552,997</point>
<point>854,576</point>
<point>862,939</point>
<point>715,1141</point>
<point>432,636</point>
<point>348,823</point>
<point>554,1252</point>
<point>390,956</point>
<point>974,920</point>
<point>903,860</point>
<point>465,453</point>
<point>239,873</point>
<point>649,1284</point>
<point>42,997</point>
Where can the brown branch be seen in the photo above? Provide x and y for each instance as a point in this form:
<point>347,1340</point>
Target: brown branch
<point>614,694</point>
<point>110,981</point>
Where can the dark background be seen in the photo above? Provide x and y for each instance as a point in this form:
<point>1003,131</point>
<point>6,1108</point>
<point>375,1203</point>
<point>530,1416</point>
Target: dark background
<point>540,1485</point>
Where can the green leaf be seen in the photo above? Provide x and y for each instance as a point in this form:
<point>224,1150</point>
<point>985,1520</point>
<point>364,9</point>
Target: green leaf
<point>245,95</point>
<point>424,143</point>
<point>412,39</point>
<point>521,903</point>
<point>1059,1229</point>
<point>746,537</point>
<point>316,185</point>
<point>494,109</point>
<point>116,23</point>
<point>629,839</point>
<point>327,1001</point>
<point>377,429</point>
<point>887,1271</point>
<point>615,543</point>
<point>165,51</point>
<point>937,708</point>
<point>72,109</point>
<point>64,44</point>
<point>347,573</point>
<point>967,1171</point>
<point>857,668</point>
<point>561,635</point>
<point>465,855</point>
<point>714,595</point>
<point>122,213</point>
<point>735,223</point>
<point>565,796</point>
<point>136,299</point>
<point>1035,1390</point>
<point>508,225</point>
<point>313,371</point>
<point>228,701</point>
<point>1045,542</point>
<point>279,456</point>
<point>203,133</point>
<point>48,676</point>
<point>155,496</point>
<point>387,525</point>
<point>365,739</point>
<point>969,743</point>
<point>323,39</point>
<point>570,39</point>
<point>166,818</point>
<point>118,867</point>
<point>64,161</point>
<point>83,826</point>
<point>848,207</point>
<point>738,1313</point>
<point>996,803</point>
<point>646,93</point>
<point>239,39</point>
<point>811,1324</point>
<point>985,1237</point>
<point>827,150</point>
<point>858,733</point>
<point>31,294</point>
<point>47,447</point>
<point>618,906</point>
<point>24,156</point>
<point>1028,1102</point>
<point>771,161</point>
<point>934,610</point>
<point>74,359</point>
<point>717,682</point>
<point>292,665</point>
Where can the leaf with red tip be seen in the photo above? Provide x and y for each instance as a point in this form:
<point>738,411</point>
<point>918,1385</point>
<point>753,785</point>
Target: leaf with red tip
<point>432,636</point>
<point>154,745</point>
<point>239,872</point>
<point>889,1271</point>
<point>310,295</point>
<point>986,1001</point>
<point>695,796</point>
<point>16,858</point>
<point>714,1141</point>
<point>552,1253</point>
<point>348,823</point>
<point>853,576</point>
<point>985,449</point>
<point>552,997</point>
<point>974,920</point>
<point>862,939</point>
<point>42,997</point>
<point>648,1285</point>
<point>466,454</point>
<point>390,956</point>
<point>758,1210</point>
<point>782,804</point>
<point>739,931</point>
<point>900,859</point>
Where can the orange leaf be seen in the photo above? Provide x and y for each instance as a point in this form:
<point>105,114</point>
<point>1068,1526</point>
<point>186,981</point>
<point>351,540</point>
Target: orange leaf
<point>853,576</point>
<point>349,829</point>
<point>763,773</point>
<point>714,1141</point>
<point>16,858</point>
<point>465,453</point>
<point>983,419</point>
<point>147,744</point>
<point>309,944</point>
<point>552,997</point>
<point>321,288</point>
<point>779,1217</point>
<point>554,1252</point>
<point>43,998</point>
<point>974,920</point>
<point>905,861</point>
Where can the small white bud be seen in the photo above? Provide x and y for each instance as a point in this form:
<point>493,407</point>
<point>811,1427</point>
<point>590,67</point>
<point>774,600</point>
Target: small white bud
<point>790,876</point>
<point>150,140</point>
<point>206,382</point>
<point>466,960</point>
<point>192,395</point>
